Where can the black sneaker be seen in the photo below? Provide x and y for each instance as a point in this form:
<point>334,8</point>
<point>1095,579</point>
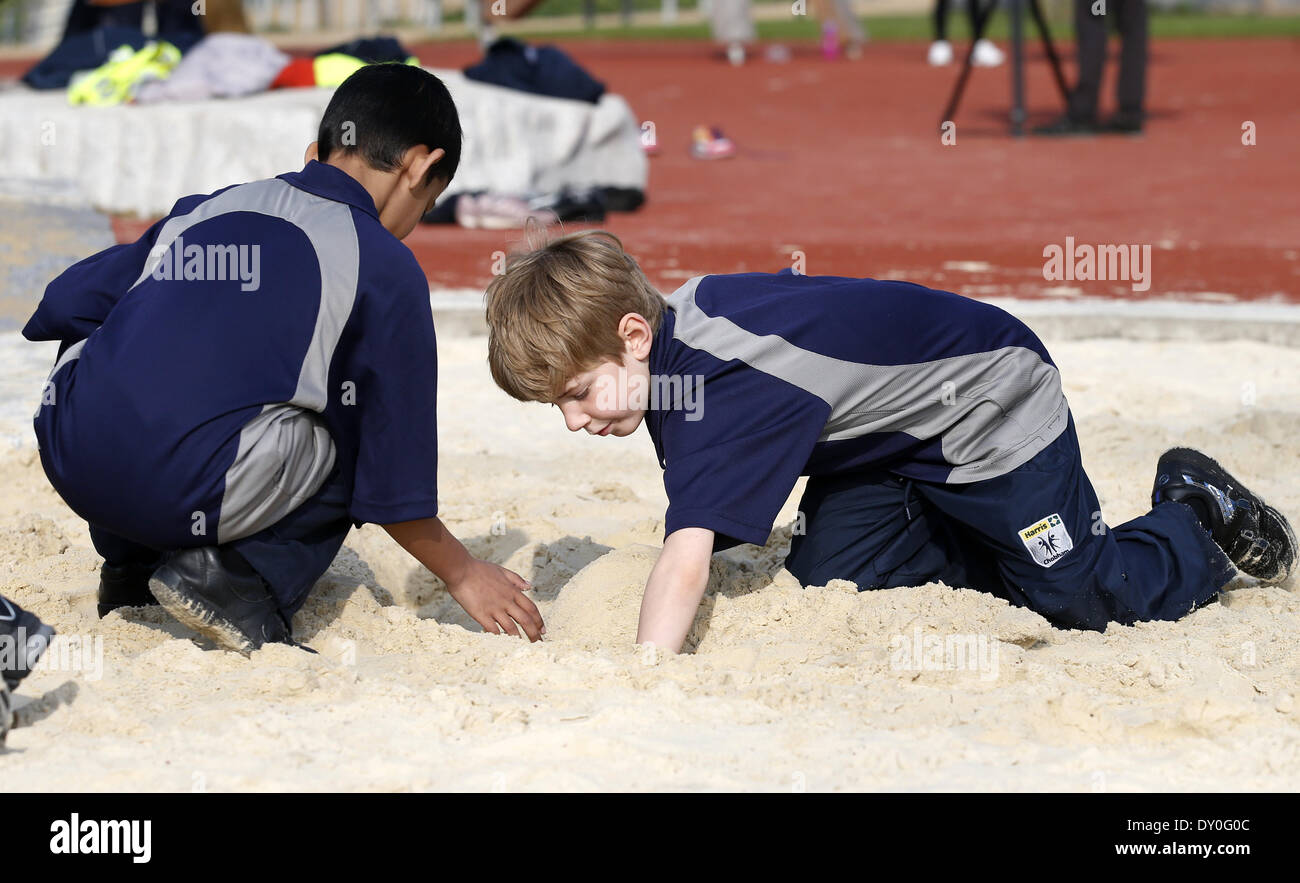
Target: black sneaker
<point>1255,536</point>
<point>1067,126</point>
<point>1123,124</point>
<point>218,594</point>
<point>23,638</point>
<point>125,585</point>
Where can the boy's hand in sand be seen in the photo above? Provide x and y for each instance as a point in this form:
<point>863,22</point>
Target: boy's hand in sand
<point>492,595</point>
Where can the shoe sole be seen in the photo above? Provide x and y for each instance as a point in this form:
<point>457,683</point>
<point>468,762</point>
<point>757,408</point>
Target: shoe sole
<point>1281,527</point>
<point>201,617</point>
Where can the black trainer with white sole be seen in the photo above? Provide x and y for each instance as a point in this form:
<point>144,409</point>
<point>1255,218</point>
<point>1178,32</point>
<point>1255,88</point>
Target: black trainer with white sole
<point>125,585</point>
<point>1254,535</point>
<point>23,639</point>
<point>218,594</point>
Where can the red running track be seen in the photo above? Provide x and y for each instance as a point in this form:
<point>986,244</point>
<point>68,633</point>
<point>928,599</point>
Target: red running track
<point>842,160</point>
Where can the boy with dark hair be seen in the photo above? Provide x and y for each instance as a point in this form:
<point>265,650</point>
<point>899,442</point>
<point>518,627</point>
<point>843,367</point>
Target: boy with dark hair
<point>937,438</point>
<point>258,372</point>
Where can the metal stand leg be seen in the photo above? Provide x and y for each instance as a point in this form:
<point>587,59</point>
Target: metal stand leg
<point>981,22</point>
<point>1036,10</point>
<point>1017,68</point>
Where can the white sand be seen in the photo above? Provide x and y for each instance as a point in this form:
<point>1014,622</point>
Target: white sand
<point>786,688</point>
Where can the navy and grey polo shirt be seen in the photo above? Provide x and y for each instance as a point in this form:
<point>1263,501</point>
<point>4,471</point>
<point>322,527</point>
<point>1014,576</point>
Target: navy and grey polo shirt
<point>219,369</point>
<point>767,377</point>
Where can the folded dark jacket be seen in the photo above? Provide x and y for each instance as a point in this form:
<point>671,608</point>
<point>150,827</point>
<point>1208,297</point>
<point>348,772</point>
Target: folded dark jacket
<point>541,70</point>
<point>371,50</point>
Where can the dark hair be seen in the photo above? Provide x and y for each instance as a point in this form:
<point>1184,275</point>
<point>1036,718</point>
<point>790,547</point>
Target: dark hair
<point>388,109</point>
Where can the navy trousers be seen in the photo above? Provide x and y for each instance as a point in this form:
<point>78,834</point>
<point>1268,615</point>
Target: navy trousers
<point>290,555</point>
<point>1034,537</point>
<point>1130,18</point>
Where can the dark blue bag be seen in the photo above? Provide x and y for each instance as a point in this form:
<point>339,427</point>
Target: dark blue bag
<point>372,50</point>
<point>541,70</point>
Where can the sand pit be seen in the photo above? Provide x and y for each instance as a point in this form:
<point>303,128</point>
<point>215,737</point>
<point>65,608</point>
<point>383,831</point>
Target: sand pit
<point>783,688</point>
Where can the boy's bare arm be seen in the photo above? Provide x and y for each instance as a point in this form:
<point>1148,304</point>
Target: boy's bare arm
<point>492,595</point>
<point>675,588</point>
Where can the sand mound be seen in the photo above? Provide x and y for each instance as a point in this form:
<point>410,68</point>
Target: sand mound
<point>599,606</point>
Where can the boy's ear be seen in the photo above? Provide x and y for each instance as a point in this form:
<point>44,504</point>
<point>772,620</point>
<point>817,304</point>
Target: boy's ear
<point>313,152</point>
<point>637,336</point>
<point>418,165</point>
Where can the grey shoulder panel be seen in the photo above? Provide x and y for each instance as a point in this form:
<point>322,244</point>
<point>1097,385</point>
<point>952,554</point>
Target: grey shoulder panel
<point>993,410</point>
<point>329,228</point>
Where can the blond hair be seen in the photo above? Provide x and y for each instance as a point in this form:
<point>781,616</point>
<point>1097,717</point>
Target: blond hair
<point>555,312</point>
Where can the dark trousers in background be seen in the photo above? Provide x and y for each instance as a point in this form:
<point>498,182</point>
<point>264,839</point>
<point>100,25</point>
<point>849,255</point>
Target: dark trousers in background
<point>941,16</point>
<point>290,555</point>
<point>1130,19</point>
<point>881,532</point>
<point>171,16</point>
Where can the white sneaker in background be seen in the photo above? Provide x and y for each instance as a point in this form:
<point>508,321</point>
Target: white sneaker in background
<point>736,54</point>
<point>987,55</point>
<point>940,53</point>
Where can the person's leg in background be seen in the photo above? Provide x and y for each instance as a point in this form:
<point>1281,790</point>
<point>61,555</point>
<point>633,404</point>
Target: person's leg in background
<point>1090,34</point>
<point>173,17</point>
<point>1131,16</point>
<point>84,16</point>
<point>854,31</point>
<point>1057,557</point>
<point>841,30</point>
<point>986,53</point>
<point>940,49</point>
<point>732,23</point>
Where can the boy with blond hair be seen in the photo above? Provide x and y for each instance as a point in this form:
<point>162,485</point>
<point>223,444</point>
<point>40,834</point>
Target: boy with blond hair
<point>933,428</point>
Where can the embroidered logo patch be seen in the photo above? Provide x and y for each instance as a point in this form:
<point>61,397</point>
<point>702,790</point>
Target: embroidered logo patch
<point>1047,540</point>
